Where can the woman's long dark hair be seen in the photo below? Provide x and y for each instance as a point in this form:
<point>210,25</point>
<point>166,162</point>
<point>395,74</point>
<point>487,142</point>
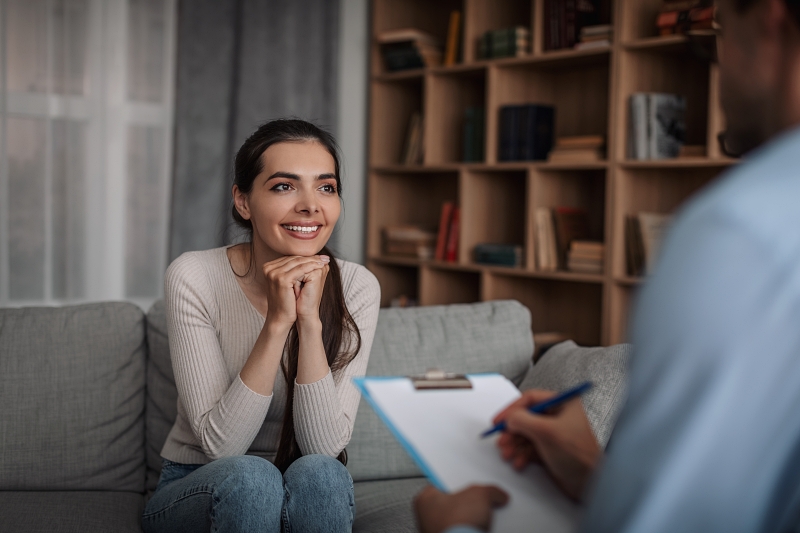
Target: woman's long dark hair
<point>337,323</point>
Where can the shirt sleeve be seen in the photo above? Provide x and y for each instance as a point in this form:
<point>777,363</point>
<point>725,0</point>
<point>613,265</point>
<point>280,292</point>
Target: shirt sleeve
<point>708,439</point>
<point>224,414</point>
<point>325,411</point>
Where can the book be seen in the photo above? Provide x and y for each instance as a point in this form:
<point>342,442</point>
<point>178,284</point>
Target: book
<point>653,227</point>
<point>474,127</point>
<point>412,151</point>
<point>444,225</point>
<point>526,132</point>
<point>403,35</point>
<point>409,241</point>
<point>570,224</point>
<point>644,235</point>
<point>592,44</point>
<point>451,249</point>
<point>581,141</point>
<point>545,243</point>
<point>506,42</point>
<point>453,39</point>
<point>509,127</point>
<point>498,254</point>
<point>666,125</point>
<point>576,155</point>
<point>536,136</point>
<point>578,149</point>
<point>656,125</point>
<point>409,48</point>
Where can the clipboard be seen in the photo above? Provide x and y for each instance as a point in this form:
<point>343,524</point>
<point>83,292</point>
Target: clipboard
<point>439,427</point>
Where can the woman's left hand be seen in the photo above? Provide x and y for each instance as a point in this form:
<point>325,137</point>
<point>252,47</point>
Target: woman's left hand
<point>309,295</point>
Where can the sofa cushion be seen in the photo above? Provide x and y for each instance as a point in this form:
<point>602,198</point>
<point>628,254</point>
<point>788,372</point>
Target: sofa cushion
<point>162,396</point>
<point>71,512</point>
<point>469,338</point>
<point>567,364</point>
<point>386,505</point>
<point>72,393</point>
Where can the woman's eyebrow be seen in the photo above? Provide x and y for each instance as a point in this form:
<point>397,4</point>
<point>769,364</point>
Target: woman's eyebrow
<point>289,175</point>
<point>286,175</point>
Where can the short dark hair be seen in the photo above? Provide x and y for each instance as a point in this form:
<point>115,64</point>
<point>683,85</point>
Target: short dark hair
<point>792,5</point>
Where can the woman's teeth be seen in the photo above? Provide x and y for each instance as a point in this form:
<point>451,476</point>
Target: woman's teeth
<point>302,229</point>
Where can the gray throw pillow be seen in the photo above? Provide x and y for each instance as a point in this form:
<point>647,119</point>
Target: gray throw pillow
<point>567,364</point>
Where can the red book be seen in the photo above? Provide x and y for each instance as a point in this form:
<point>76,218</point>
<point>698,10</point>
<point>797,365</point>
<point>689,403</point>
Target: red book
<point>444,225</point>
<point>451,254</point>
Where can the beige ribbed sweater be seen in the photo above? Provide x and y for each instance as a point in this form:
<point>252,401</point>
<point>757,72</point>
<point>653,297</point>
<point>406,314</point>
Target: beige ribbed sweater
<point>212,329</point>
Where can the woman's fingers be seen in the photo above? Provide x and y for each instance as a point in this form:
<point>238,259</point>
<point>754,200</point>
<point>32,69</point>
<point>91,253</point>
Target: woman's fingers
<point>293,269</point>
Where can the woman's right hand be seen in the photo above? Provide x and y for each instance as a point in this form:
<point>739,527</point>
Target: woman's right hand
<point>284,278</point>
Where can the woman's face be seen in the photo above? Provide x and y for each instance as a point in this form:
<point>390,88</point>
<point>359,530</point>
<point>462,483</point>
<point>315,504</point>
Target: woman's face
<point>294,203</point>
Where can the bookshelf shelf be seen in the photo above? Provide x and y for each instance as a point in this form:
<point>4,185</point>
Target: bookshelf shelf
<point>681,162</point>
<point>590,89</point>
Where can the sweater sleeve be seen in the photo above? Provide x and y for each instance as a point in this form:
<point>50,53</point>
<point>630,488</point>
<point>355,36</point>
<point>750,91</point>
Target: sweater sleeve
<point>325,411</point>
<point>224,414</point>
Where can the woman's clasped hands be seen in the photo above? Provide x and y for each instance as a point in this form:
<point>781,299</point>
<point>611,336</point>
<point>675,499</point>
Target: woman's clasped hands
<point>294,288</point>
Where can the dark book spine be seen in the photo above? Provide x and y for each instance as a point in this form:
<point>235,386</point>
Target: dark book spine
<point>509,133</point>
<point>479,131</point>
<point>469,134</point>
<point>536,137</point>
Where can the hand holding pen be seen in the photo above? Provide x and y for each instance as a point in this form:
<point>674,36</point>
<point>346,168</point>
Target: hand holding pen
<point>560,439</point>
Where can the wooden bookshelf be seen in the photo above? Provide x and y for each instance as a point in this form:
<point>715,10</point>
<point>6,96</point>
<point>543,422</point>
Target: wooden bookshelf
<point>590,91</point>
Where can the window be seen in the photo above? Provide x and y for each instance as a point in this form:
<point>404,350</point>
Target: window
<point>86,115</point>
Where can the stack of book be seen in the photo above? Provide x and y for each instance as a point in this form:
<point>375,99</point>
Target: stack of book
<point>564,20</point>
<point>644,234</point>
<point>408,241</point>
<point>595,37</point>
<point>657,125</point>
<point>447,236</point>
<point>508,42</point>
<point>683,16</point>
<point>578,149</point>
<point>586,257</point>
<point>409,48</point>
<point>474,126</point>
<point>556,230</point>
<point>413,146</point>
<point>498,254</point>
<point>526,132</point>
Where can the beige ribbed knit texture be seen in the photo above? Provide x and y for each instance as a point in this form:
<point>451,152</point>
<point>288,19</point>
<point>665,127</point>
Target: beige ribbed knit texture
<point>212,329</point>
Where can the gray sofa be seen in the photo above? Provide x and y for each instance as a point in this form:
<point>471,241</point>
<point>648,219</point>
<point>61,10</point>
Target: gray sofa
<point>87,398</point>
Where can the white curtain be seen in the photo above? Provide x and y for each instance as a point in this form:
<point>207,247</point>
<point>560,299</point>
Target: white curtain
<point>86,115</point>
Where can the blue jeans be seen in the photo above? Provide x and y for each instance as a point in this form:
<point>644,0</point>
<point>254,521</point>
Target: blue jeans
<point>247,493</point>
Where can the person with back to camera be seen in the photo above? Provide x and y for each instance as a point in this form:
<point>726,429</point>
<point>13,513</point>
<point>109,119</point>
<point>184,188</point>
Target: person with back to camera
<point>709,438</point>
<point>264,338</point>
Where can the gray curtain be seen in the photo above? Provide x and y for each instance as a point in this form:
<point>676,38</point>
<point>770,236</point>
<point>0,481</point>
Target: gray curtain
<point>241,63</point>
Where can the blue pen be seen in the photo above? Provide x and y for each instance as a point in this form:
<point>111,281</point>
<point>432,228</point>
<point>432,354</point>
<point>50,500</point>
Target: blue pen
<point>544,406</point>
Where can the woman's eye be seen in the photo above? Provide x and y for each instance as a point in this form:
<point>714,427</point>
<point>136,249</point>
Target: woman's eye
<point>328,188</point>
<point>282,187</point>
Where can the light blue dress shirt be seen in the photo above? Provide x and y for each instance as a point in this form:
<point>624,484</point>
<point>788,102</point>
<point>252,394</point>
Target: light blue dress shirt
<point>709,438</point>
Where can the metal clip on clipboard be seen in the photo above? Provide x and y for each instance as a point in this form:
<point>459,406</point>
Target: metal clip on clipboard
<point>434,378</point>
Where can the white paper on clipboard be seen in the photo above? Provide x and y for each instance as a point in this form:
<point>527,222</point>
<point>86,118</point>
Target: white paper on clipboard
<point>440,430</point>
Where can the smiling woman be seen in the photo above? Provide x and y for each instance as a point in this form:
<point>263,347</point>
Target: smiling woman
<point>265,338</point>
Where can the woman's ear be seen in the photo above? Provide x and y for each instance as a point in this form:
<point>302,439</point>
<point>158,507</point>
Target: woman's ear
<point>240,202</point>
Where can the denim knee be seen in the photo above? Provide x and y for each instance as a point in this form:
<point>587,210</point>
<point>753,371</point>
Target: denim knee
<point>322,472</point>
<point>319,495</point>
<point>254,483</point>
